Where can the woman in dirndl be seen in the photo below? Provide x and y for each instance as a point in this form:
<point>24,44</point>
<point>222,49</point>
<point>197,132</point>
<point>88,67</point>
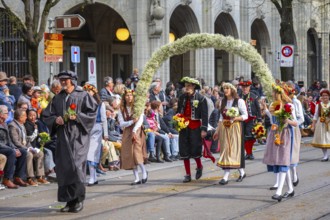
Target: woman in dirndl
<point>229,133</point>
<point>280,143</point>
<point>98,132</point>
<point>133,150</point>
<point>320,124</point>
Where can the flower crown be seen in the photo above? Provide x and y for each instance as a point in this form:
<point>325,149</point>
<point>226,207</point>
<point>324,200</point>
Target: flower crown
<point>277,88</point>
<point>129,91</point>
<point>89,87</point>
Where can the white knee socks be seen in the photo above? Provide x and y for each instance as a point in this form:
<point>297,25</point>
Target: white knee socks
<point>325,153</point>
<point>277,179</point>
<point>92,174</point>
<point>241,171</point>
<point>289,181</point>
<point>226,175</point>
<point>282,176</point>
<point>144,171</point>
<point>136,174</point>
<point>294,174</point>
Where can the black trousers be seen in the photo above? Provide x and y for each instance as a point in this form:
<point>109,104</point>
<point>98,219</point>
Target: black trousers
<point>190,143</point>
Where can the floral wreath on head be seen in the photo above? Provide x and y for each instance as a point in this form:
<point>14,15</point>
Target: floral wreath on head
<point>128,91</point>
<point>277,88</point>
<point>188,79</point>
<point>229,85</point>
<point>89,87</point>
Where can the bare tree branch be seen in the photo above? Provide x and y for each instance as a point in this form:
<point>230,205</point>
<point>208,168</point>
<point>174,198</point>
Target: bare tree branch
<point>278,6</point>
<point>36,16</point>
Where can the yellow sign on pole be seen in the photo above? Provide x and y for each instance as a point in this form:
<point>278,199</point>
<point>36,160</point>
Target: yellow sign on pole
<point>53,47</point>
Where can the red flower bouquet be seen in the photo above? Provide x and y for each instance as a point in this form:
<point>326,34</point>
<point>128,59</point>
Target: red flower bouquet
<point>70,112</point>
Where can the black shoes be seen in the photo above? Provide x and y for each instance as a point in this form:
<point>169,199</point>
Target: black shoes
<point>152,158</point>
<point>249,157</point>
<point>136,183</point>
<point>273,188</point>
<point>325,160</point>
<point>199,173</point>
<point>288,195</point>
<point>223,182</point>
<point>240,178</point>
<point>173,158</point>
<point>187,179</point>
<point>295,183</point>
<point>77,207</point>
<point>92,184</point>
<point>277,197</point>
<point>146,179</point>
<point>167,159</point>
<point>66,208</point>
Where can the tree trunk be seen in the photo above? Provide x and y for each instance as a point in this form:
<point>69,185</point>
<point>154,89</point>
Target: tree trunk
<point>33,62</point>
<point>287,35</point>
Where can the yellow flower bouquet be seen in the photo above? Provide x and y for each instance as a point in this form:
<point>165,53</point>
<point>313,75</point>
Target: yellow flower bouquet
<point>180,122</point>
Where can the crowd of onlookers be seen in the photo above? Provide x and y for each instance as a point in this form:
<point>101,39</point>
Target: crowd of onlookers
<point>26,160</point>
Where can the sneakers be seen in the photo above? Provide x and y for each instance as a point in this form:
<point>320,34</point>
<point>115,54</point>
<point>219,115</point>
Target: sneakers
<point>42,180</point>
<point>31,182</point>
<point>2,187</point>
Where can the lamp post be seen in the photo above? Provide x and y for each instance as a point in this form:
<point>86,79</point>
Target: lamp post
<point>51,66</point>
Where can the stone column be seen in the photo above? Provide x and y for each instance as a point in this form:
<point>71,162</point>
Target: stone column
<point>205,57</point>
<point>243,68</point>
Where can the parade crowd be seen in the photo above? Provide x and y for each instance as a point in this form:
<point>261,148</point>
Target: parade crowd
<point>69,130</point>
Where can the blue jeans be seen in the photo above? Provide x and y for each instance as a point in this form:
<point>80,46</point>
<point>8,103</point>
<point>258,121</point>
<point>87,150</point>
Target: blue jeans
<point>167,144</point>
<point>151,142</point>
<point>15,165</point>
<point>174,144</point>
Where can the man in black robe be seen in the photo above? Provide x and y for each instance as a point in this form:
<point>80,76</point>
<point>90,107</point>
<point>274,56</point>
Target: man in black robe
<point>71,114</point>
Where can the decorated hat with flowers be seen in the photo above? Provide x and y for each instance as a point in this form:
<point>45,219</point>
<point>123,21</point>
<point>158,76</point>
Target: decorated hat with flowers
<point>245,83</point>
<point>187,79</point>
<point>90,87</point>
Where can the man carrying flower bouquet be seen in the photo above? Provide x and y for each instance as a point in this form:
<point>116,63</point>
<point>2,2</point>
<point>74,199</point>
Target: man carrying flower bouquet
<point>72,115</point>
<point>193,107</point>
<point>253,108</point>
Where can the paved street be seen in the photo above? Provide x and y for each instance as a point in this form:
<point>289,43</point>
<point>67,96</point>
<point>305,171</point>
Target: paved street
<point>166,197</point>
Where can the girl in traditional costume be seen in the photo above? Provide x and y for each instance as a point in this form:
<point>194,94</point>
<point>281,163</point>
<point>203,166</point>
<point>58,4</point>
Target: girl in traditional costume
<point>320,124</point>
<point>133,150</point>
<point>280,141</point>
<point>230,133</point>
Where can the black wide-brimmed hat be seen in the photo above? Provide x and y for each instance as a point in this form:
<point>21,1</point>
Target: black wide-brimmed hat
<point>67,74</point>
<point>187,79</point>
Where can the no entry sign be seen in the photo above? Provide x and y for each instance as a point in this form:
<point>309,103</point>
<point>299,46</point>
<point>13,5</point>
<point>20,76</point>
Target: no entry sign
<point>287,56</point>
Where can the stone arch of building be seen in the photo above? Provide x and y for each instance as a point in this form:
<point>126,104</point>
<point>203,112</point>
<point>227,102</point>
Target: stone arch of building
<point>312,54</point>
<point>260,37</point>
<point>224,62</point>
<point>199,41</point>
<point>97,38</point>
<point>183,21</point>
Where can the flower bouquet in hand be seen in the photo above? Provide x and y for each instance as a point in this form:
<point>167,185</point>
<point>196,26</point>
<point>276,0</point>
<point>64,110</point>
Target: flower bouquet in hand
<point>231,113</point>
<point>43,139</point>
<point>70,112</point>
<point>259,132</point>
<point>282,114</point>
<point>179,122</point>
<point>325,112</point>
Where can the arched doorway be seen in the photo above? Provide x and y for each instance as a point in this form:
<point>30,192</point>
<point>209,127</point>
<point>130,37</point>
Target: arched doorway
<point>97,38</point>
<point>224,61</point>
<point>312,45</point>
<point>260,38</point>
<point>182,22</point>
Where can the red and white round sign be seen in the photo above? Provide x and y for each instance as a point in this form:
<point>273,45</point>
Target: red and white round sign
<point>287,51</point>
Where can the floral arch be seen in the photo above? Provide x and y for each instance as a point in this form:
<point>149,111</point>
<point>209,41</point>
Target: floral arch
<point>199,41</point>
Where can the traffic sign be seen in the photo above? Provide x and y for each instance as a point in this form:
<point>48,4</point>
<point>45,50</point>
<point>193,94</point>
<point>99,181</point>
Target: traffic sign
<point>53,47</point>
<point>287,55</point>
<point>69,22</point>
<point>75,54</point>
<point>92,79</point>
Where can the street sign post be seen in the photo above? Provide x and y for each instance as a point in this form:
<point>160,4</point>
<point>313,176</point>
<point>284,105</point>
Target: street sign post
<point>53,47</point>
<point>92,79</point>
<point>75,56</point>
<point>69,22</point>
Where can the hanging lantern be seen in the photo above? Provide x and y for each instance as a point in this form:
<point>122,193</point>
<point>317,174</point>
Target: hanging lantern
<point>122,34</point>
<point>171,37</point>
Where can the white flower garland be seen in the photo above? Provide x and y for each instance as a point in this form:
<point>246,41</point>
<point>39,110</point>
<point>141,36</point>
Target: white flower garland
<point>199,41</point>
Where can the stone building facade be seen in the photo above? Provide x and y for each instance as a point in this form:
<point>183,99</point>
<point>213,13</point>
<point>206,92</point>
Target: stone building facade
<point>150,21</point>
